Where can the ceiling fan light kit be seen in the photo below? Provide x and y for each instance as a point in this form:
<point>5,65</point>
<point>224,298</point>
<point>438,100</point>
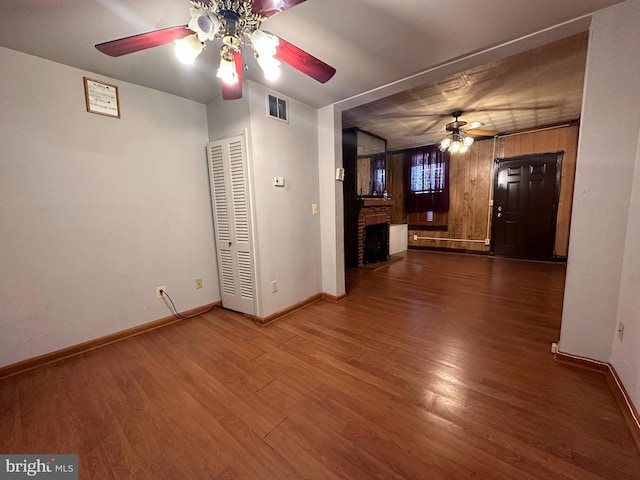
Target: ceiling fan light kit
<point>237,23</point>
<point>188,48</point>
<point>205,25</point>
<point>227,71</point>
<point>457,141</point>
<point>265,47</point>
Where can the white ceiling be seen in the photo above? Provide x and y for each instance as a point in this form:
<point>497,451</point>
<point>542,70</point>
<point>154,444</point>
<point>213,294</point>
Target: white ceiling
<point>379,47</point>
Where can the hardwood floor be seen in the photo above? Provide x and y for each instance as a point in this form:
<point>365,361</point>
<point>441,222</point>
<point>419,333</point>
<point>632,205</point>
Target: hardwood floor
<point>434,367</point>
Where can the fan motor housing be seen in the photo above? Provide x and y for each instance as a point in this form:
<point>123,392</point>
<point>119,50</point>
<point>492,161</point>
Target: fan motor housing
<point>455,126</point>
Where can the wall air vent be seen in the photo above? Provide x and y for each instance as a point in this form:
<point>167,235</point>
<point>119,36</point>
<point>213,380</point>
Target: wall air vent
<point>277,108</point>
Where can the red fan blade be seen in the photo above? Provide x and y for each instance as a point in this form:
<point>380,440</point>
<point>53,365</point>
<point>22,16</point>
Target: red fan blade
<point>135,43</point>
<point>269,8</point>
<point>233,92</point>
<point>304,62</point>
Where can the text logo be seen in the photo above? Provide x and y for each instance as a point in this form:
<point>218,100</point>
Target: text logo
<point>49,467</point>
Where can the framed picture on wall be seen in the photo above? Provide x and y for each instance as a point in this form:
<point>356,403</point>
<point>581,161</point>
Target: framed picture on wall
<point>101,98</point>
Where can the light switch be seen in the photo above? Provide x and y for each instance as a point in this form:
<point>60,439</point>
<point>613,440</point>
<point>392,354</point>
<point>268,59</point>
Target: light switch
<point>278,181</point>
<point>314,208</point>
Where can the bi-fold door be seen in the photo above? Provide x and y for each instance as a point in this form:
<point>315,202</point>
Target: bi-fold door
<point>232,223</point>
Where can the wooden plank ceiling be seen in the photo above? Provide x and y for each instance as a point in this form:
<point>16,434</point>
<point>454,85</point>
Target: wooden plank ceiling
<point>533,89</point>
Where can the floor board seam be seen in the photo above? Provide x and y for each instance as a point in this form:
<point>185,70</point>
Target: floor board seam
<point>274,428</point>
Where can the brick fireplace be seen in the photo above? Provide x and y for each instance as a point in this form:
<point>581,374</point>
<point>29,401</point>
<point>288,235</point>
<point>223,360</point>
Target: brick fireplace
<point>373,212</point>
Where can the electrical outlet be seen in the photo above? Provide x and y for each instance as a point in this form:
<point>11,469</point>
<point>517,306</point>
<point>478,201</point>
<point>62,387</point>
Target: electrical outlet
<point>620,331</point>
<point>198,283</point>
<point>314,208</point>
<point>159,291</point>
<point>415,237</point>
<point>487,242</point>
<point>274,286</point>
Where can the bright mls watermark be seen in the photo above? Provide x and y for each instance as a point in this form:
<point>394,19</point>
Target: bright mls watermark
<point>49,467</point>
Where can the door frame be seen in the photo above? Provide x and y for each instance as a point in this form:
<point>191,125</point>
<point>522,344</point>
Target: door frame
<point>556,200</point>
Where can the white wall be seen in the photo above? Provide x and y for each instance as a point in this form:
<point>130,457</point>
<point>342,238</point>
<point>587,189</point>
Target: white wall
<point>626,353</point>
<point>95,212</point>
<point>287,233</point>
<point>331,200</point>
<point>226,118</point>
<point>602,271</point>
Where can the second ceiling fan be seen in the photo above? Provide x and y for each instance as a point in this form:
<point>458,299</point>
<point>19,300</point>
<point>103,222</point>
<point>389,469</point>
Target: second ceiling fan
<point>458,137</point>
<point>237,23</point>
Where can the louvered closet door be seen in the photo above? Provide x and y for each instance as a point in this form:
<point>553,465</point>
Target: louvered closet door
<point>232,223</point>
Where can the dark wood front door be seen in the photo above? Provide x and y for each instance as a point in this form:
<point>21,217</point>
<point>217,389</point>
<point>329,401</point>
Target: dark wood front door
<point>525,206</point>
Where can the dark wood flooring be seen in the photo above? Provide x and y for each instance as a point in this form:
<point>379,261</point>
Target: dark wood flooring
<point>434,367</point>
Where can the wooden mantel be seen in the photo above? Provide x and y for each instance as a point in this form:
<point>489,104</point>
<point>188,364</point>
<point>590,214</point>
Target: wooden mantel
<point>374,202</point>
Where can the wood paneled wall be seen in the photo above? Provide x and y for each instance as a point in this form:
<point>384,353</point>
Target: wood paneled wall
<point>471,188</point>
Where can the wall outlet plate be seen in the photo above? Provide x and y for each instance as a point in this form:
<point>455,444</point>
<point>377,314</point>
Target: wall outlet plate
<point>278,181</point>
<point>159,289</point>
<point>198,283</point>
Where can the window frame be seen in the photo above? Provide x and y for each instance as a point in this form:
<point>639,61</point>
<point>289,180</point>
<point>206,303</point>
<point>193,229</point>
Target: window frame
<point>434,173</point>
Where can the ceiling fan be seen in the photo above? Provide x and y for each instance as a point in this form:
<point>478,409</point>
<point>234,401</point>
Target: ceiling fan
<point>237,23</point>
<point>458,138</point>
